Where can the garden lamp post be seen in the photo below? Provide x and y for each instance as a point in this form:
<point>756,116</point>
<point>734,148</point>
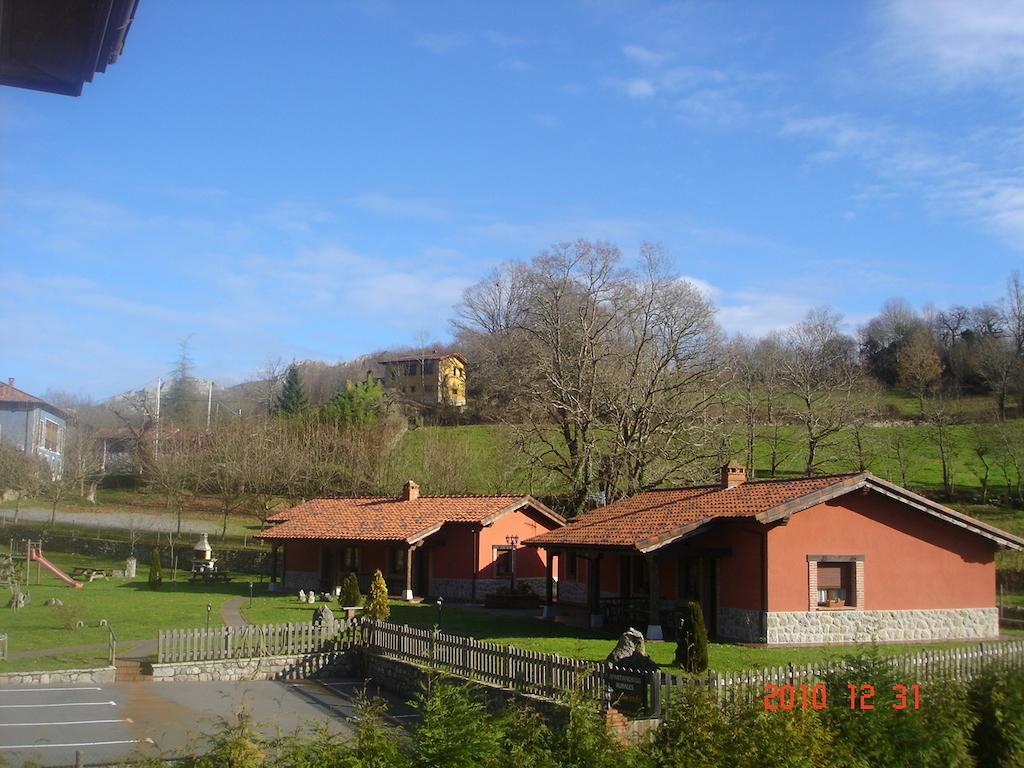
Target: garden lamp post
<point>513,542</point>
<point>440,600</point>
<point>250,595</point>
<point>209,608</point>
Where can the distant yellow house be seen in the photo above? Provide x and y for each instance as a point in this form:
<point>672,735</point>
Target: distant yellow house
<point>428,379</point>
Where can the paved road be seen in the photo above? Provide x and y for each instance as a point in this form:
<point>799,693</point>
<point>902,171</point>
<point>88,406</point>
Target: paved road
<point>139,521</point>
<point>112,722</point>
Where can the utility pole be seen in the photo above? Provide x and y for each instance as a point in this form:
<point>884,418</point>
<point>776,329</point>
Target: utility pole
<point>209,406</point>
<point>159,386</point>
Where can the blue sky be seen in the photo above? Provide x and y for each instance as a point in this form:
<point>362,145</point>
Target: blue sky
<point>322,179</point>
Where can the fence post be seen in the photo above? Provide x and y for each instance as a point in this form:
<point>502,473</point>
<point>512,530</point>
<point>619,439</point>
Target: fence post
<point>654,707</point>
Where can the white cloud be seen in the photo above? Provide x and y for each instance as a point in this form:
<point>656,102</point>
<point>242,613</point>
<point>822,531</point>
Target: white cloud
<point>639,88</point>
<point>956,42</point>
<point>646,56</point>
<point>440,43</point>
<point>392,205</point>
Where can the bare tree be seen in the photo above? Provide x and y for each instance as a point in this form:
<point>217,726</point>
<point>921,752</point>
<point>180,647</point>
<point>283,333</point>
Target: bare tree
<point>941,415</point>
<point>822,381</point>
<point>919,367</point>
<point>665,374</point>
<point>1000,367</point>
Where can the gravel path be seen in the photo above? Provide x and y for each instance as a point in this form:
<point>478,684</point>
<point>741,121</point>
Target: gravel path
<point>139,521</point>
<point>231,614</point>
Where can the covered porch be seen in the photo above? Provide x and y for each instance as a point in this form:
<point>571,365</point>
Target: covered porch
<point>619,587</point>
<point>324,565</point>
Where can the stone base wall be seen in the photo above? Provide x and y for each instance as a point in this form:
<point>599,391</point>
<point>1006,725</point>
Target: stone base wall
<point>816,627</point>
<point>741,624</point>
<point>296,580</point>
<point>343,663</point>
<point>461,590</point>
<point>572,592</point>
<point>102,675</point>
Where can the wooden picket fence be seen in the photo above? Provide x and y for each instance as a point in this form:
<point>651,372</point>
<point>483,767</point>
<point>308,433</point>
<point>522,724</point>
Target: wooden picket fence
<point>253,641</point>
<point>3,647</point>
<point>502,665</point>
<point>552,675</point>
<point>960,664</point>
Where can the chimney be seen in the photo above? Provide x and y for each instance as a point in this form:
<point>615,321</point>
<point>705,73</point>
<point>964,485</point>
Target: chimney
<point>10,382</point>
<point>411,491</point>
<point>733,474</point>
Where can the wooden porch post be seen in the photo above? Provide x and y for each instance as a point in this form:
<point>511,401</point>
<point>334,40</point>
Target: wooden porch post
<point>407,593</point>
<point>549,587</point>
<point>653,600</point>
<point>273,567</point>
<point>594,588</point>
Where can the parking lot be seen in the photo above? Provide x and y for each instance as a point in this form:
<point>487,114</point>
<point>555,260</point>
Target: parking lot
<point>110,723</point>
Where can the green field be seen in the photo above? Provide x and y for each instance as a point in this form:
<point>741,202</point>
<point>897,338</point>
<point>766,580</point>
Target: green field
<point>133,610</point>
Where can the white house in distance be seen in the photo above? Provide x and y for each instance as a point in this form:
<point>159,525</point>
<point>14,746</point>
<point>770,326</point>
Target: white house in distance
<point>32,425</point>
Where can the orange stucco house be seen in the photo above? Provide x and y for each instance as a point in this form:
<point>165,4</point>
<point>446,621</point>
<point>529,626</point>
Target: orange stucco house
<point>455,547</point>
<point>842,558</point>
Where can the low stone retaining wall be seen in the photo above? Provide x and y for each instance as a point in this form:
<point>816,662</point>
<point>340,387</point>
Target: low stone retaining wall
<point>741,624</point>
<point>101,675</point>
<point>817,627</point>
<point>300,667</point>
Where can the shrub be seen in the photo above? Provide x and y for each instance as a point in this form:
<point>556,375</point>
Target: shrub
<point>997,701</point>
<point>937,734</point>
<point>692,645</point>
<point>350,596</point>
<point>377,607</point>
<point>156,574</point>
<point>454,729</point>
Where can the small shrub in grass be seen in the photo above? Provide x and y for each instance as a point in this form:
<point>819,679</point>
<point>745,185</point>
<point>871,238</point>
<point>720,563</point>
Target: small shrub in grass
<point>350,594</point>
<point>692,645</point>
<point>377,607</point>
<point>156,573</point>
<point>996,699</point>
<point>237,744</point>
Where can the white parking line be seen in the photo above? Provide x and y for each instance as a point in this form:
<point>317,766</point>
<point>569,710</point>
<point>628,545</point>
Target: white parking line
<point>69,704</point>
<point>47,690</point>
<point>78,744</point>
<point>66,722</point>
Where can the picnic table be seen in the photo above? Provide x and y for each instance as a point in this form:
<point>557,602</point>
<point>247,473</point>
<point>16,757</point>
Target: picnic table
<point>210,577</point>
<point>88,574</point>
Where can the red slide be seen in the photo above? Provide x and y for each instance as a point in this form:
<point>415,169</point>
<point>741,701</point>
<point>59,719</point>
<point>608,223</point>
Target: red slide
<point>35,555</point>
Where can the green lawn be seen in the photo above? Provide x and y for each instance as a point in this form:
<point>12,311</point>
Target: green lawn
<point>549,637</point>
<point>134,611</point>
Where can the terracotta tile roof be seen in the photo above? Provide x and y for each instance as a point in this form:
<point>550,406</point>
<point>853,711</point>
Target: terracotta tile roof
<point>392,519</point>
<point>640,519</point>
<point>11,394</point>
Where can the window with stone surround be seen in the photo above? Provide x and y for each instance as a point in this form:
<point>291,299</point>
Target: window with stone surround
<point>835,582</point>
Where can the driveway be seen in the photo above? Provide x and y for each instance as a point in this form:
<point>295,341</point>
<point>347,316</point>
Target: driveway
<point>110,723</point>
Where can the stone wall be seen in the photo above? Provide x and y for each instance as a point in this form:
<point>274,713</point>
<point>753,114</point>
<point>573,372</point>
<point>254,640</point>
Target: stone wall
<point>461,590</point>
<point>296,580</point>
<point>572,592</point>
<point>337,664</point>
<point>741,625</point>
<point>102,675</point>
<point>237,560</point>
<point>815,627</point>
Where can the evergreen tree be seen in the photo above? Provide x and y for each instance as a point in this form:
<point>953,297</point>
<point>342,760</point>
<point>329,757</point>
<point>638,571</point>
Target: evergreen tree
<point>156,574</point>
<point>181,400</point>
<point>358,403</point>
<point>377,608</point>
<point>350,595</point>
<point>692,644</point>
<point>292,400</point>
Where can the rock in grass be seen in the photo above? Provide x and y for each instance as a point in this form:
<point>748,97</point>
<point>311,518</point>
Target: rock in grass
<point>55,601</point>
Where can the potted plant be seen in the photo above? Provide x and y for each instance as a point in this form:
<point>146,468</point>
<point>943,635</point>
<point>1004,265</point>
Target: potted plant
<point>836,602</point>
